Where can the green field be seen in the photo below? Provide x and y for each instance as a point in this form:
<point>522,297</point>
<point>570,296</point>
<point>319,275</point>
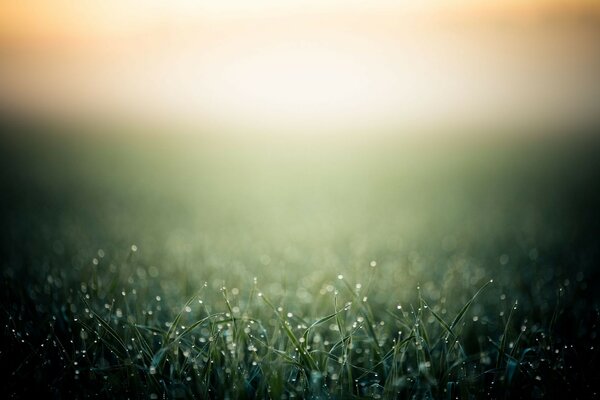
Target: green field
<point>368,266</point>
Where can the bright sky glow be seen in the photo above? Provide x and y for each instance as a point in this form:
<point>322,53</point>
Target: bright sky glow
<point>303,65</point>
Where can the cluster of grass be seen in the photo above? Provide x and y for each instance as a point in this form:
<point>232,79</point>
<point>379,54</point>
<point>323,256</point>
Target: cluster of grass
<point>109,338</point>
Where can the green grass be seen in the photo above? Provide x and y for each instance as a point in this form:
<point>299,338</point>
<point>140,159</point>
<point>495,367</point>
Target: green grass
<point>220,268</point>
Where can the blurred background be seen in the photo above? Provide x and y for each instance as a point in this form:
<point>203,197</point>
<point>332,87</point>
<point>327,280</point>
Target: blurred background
<point>446,142</point>
<point>303,67</point>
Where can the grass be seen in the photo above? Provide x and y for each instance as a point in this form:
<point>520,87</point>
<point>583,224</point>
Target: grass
<point>146,270</point>
<point>121,344</point>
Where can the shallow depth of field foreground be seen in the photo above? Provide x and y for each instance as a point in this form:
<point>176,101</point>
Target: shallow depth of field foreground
<point>178,267</point>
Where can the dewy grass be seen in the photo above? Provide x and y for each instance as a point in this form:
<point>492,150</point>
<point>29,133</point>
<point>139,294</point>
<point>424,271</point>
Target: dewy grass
<point>355,351</point>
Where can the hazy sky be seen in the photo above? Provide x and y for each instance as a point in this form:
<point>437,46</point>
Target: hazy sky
<point>303,65</point>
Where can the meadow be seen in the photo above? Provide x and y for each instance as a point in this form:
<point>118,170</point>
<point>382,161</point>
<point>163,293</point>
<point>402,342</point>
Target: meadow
<point>148,265</point>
